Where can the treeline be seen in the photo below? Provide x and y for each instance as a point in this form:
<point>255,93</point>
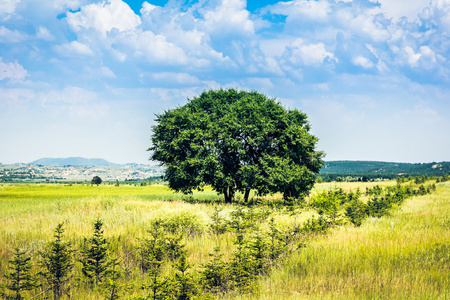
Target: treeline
<point>377,177</point>
<point>332,170</point>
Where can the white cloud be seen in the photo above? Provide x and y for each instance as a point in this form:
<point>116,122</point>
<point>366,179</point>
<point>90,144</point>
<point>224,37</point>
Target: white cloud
<point>179,78</point>
<point>12,70</point>
<point>301,53</point>
<point>398,8</point>
<point>103,17</point>
<point>74,48</point>
<point>362,62</point>
<point>363,24</point>
<point>71,95</point>
<point>15,97</point>
<point>147,8</point>
<point>230,17</point>
<point>8,6</point>
<point>43,33</point>
<point>12,36</point>
<point>151,48</point>
<point>301,9</point>
<point>425,57</point>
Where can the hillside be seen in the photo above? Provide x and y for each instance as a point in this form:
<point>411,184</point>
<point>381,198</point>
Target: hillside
<point>383,169</point>
<point>72,161</point>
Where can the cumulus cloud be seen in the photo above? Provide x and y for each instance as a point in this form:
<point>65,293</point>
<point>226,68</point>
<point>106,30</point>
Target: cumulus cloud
<point>8,6</point>
<point>103,17</point>
<point>301,9</point>
<point>229,17</point>
<point>12,70</point>
<point>301,53</point>
<point>151,48</point>
<point>362,62</point>
<point>74,48</point>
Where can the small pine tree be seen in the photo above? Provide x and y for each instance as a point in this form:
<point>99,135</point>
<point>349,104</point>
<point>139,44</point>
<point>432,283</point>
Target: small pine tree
<point>153,251</point>
<point>274,247</point>
<point>111,286</point>
<point>19,277</point>
<point>218,225</point>
<point>57,262</point>
<point>215,274</point>
<point>241,267</point>
<point>356,211</point>
<point>95,255</point>
<point>185,285</point>
<point>258,253</point>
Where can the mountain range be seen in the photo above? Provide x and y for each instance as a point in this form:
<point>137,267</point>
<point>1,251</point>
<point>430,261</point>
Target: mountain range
<point>72,161</point>
<point>339,168</point>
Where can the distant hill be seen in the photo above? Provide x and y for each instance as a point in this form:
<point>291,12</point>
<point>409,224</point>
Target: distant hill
<point>383,169</point>
<point>72,161</point>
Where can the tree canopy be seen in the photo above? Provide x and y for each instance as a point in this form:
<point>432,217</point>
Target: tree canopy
<point>96,180</point>
<point>236,141</point>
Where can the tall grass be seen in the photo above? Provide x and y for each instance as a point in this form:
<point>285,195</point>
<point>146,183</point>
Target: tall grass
<point>402,256</point>
<point>405,255</point>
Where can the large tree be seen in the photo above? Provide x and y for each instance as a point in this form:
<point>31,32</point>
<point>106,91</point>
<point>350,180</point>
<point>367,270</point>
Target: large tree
<point>236,141</point>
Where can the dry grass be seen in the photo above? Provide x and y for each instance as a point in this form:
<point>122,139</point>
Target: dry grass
<point>402,256</point>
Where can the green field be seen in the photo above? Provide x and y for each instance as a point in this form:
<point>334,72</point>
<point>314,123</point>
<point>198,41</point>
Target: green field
<point>403,255</point>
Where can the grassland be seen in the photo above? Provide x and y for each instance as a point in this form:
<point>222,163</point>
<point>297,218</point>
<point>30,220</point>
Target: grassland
<point>405,255</point>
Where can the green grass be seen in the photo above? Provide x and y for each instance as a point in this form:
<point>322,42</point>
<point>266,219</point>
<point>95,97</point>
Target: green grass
<point>402,256</point>
<point>405,255</point>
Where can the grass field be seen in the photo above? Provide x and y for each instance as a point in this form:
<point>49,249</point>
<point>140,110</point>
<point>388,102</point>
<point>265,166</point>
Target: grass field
<point>405,255</point>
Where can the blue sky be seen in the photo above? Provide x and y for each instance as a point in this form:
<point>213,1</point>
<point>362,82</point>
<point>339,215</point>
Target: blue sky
<point>85,78</point>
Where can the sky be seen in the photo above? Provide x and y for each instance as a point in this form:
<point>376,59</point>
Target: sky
<point>86,78</point>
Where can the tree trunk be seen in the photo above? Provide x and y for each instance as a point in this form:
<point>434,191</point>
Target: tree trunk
<point>246,194</point>
<point>229,195</point>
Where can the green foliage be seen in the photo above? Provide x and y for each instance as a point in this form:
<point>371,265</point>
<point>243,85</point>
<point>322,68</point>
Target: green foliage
<point>236,141</point>
<point>94,255</point>
<point>112,289</point>
<point>241,267</point>
<point>356,211</point>
<point>57,262</point>
<point>315,226</point>
<point>185,285</point>
<point>240,220</point>
<point>364,171</point>
<point>329,203</point>
<point>184,223</point>
<point>274,248</point>
<point>215,275</point>
<point>96,180</point>
<point>259,253</point>
<point>153,250</point>
<point>19,277</point>
<point>218,225</point>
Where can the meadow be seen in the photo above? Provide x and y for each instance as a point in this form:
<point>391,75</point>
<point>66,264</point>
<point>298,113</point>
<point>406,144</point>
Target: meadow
<point>404,254</point>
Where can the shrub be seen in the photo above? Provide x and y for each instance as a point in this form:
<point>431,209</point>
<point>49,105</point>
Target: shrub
<point>19,277</point>
<point>94,255</point>
<point>356,211</point>
<point>57,262</point>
